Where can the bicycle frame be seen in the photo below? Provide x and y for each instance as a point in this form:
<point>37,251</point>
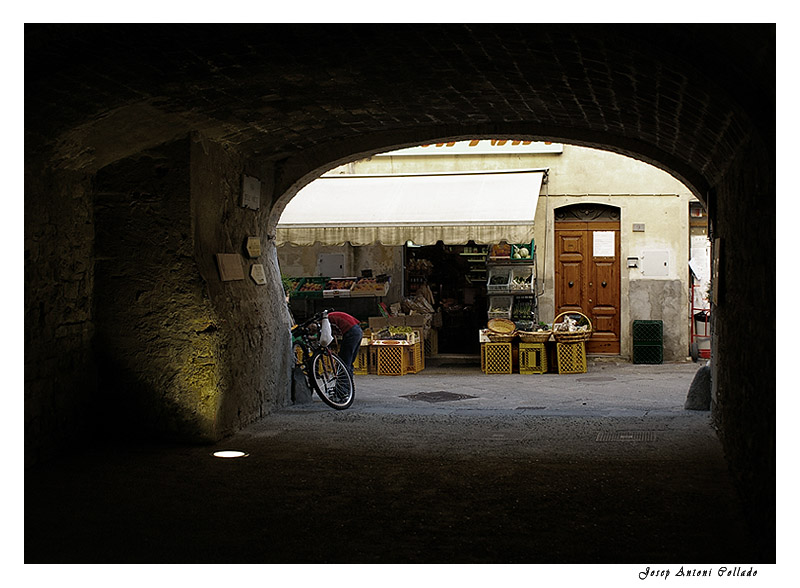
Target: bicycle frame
<point>321,367</point>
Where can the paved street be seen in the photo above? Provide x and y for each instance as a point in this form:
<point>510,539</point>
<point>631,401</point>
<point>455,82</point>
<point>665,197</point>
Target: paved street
<point>601,467</point>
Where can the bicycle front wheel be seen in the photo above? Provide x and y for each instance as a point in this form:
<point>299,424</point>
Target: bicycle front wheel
<point>331,380</point>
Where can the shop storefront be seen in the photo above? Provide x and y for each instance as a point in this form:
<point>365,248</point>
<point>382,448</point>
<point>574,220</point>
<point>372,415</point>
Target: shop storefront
<point>438,232</point>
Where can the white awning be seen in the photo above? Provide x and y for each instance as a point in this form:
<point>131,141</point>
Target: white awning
<point>485,207</point>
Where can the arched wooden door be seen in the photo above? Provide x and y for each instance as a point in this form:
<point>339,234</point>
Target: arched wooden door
<point>587,270</point>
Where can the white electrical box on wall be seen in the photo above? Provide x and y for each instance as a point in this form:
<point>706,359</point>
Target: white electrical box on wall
<point>330,265</point>
<point>655,263</point>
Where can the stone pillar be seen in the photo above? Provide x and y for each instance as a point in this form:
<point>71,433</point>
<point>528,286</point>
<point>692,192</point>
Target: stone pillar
<point>744,336</point>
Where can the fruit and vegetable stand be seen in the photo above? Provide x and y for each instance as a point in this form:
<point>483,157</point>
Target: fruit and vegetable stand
<point>506,349</point>
<point>393,347</point>
<point>357,296</point>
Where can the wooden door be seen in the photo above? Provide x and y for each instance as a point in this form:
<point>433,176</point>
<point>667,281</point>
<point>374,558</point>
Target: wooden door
<point>587,278</point>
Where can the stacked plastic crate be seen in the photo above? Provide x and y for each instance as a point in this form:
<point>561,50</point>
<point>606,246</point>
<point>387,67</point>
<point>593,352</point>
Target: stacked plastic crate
<point>648,341</point>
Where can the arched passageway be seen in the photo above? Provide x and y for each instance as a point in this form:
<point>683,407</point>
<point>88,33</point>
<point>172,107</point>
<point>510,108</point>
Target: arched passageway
<point>136,154</point>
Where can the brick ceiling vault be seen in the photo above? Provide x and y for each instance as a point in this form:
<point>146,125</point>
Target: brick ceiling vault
<point>683,97</point>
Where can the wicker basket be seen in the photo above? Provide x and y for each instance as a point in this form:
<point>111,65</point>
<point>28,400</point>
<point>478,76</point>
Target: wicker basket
<point>501,326</point>
<point>572,336</point>
<point>534,336</point>
<point>501,330</point>
<point>500,337</point>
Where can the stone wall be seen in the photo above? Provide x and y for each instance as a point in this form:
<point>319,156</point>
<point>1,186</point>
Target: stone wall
<point>60,376</point>
<point>157,349</point>
<point>744,336</point>
<point>662,300</point>
<point>182,353</point>
<point>253,319</point>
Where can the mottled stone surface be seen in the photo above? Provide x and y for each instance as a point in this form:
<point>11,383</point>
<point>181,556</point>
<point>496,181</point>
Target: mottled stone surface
<point>663,300</point>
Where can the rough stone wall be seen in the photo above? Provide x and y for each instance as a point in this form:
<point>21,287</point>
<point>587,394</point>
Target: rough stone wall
<point>744,344</point>
<point>182,353</point>
<point>662,300</point>
<point>253,319</point>
<point>156,348</point>
<point>60,375</point>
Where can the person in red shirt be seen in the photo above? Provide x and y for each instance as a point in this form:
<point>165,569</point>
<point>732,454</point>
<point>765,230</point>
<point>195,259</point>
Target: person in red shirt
<point>349,328</point>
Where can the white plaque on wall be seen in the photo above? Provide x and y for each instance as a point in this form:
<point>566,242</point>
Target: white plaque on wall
<point>253,246</point>
<point>258,275</point>
<point>251,192</point>
<point>230,266</point>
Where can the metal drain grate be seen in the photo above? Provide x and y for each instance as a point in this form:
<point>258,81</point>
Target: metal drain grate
<point>438,396</point>
<point>627,436</point>
<point>597,379</point>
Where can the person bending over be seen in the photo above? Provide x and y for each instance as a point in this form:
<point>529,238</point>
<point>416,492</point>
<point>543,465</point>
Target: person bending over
<point>351,333</point>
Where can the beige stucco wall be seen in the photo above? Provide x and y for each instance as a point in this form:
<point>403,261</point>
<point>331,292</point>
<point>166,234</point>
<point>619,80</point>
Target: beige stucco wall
<point>643,193</point>
<point>642,296</point>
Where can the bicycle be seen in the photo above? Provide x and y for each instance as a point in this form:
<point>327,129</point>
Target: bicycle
<point>324,371</point>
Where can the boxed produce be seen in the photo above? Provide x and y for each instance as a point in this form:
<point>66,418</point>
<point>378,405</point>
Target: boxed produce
<point>500,307</point>
<point>521,279</point>
<point>310,288</point>
<point>499,278</point>
<point>338,287</point>
<point>378,286</point>
<point>522,252</point>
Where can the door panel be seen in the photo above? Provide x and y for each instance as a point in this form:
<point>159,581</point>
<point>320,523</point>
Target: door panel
<point>570,270</point>
<point>589,284</point>
<point>571,284</point>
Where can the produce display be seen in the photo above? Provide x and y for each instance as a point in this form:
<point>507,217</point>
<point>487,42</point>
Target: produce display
<point>500,250</point>
<point>521,253</point>
<point>290,284</point>
<point>342,284</point>
<point>399,333</point>
<point>498,280</point>
<point>373,286</point>
<point>523,308</point>
<point>311,287</point>
<point>521,282</point>
<point>365,285</point>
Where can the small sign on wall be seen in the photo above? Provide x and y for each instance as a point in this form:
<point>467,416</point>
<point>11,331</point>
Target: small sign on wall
<point>251,192</point>
<point>603,244</point>
<point>258,274</point>
<point>253,246</point>
<point>230,266</point>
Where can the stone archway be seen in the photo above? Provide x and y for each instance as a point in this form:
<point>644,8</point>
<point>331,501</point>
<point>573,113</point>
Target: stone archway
<point>288,102</point>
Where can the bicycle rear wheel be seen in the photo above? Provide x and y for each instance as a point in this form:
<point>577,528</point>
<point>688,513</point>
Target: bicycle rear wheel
<point>331,380</point>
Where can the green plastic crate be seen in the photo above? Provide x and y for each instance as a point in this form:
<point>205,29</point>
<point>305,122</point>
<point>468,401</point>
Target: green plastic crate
<point>648,332</point>
<point>648,354</point>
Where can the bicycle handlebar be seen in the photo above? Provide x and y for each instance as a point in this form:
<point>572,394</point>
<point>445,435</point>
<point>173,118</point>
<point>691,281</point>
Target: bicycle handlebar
<point>315,318</point>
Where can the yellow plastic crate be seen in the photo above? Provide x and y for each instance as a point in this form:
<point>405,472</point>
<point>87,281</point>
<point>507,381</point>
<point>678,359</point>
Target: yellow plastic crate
<point>571,357</point>
<point>432,343</point>
<point>415,358</point>
<point>392,360</point>
<point>532,358</point>
<point>497,358</point>
<point>361,364</point>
